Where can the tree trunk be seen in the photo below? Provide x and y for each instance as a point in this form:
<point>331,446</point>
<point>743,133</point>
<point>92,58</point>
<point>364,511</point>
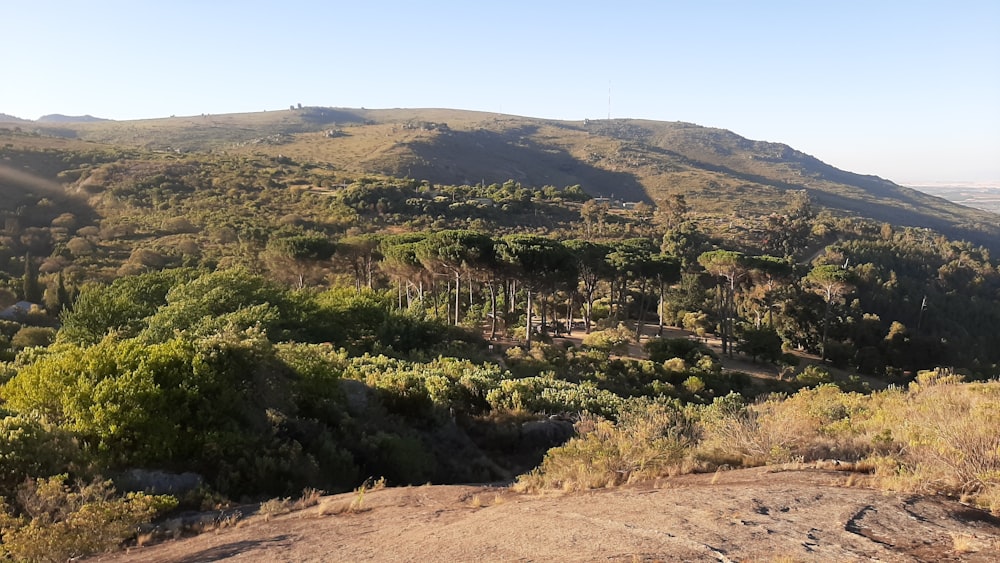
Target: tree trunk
<point>569,316</point>
<point>512,292</point>
<point>642,313</point>
<point>493,310</point>
<point>541,309</point>
<point>527,332</point>
<point>434,297</point>
<point>826,325</point>
<point>659,311</point>
<point>589,310</point>
<point>458,295</point>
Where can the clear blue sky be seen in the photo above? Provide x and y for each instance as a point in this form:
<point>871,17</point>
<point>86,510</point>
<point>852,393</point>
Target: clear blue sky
<point>907,90</point>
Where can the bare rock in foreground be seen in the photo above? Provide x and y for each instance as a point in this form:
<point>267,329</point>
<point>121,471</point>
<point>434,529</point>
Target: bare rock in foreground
<point>761,514</point>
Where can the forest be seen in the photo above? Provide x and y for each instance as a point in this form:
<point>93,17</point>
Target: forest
<point>266,326</point>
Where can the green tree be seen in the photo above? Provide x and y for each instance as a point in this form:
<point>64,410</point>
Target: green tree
<point>593,213</point>
<point>831,282</point>
<point>592,265</point>
<point>299,259</point>
<point>629,259</point>
<point>541,263</point>
<point>731,267</point>
<point>401,263</point>
<point>457,253</point>
<point>121,307</point>
<point>31,288</point>
<point>763,343</point>
<point>360,253</point>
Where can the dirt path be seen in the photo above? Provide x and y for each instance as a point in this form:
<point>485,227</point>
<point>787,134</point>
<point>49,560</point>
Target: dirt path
<point>761,514</point>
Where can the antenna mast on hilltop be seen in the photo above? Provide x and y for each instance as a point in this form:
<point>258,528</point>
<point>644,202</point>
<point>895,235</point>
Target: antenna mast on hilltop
<point>609,100</point>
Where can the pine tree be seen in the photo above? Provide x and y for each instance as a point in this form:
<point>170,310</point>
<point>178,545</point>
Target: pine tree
<point>62,294</point>
<point>32,289</point>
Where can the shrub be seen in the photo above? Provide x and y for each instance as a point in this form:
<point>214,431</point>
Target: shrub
<point>697,323</point>
<point>609,340</point>
<point>950,441</point>
<point>649,440</point>
<point>813,375</point>
<point>29,448</point>
<point>763,343</point>
<point>662,349</point>
<point>550,395</point>
<point>31,336</point>
<point>57,522</point>
<point>812,424</point>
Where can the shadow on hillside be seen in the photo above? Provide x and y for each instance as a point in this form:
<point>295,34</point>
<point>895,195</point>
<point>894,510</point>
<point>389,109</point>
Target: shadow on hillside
<point>327,116</point>
<point>233,549</point>
<point>895,204</point>
<point>470,157</point>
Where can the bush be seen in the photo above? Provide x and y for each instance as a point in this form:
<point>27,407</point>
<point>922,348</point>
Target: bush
<point>31,336</point>
<point>763,343</point>
<point>813,375</point>
<point>30,448</point>
<point>949,436</point>
<point>609,340</point>
<point>57,522</point>
<point>662,349</point>
<point>550,395</point>
<point>649,440</point>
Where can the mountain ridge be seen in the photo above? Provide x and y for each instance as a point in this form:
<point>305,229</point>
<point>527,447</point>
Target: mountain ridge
<point>718,171</point>
<point>60,118</point>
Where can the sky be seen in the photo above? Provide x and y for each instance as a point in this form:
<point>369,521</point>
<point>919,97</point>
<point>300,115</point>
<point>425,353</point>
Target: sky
<point>905,90</point>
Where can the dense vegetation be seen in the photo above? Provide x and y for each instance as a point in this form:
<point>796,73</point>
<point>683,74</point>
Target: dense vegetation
<point>271,325</point>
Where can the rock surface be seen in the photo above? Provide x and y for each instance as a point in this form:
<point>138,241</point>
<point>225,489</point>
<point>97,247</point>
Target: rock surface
<point>761,514</point>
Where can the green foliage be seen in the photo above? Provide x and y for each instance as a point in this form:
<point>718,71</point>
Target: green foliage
<point>232,300</point>
<point>30,336</point>
<point>206,403</point>
<point>813,375</point>
<point>122,307</point>
<point>308,246</point>
<point>31,288</point>
<point>663,349</point>
<point>57,522</point>
<point>609,340</point>
<point>431,389</point>
<point>763,343</point>
<point>550,395</point>
<point>30,447</point>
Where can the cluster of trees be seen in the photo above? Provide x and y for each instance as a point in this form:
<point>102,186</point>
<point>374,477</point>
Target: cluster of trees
<point>843,307</point>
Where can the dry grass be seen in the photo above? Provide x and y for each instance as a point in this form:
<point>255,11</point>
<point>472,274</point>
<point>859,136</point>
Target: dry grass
<point>642,446</point>
<point>939,436</point>
<point>355,505</point>
<point>278,506</point>
<point>963,543</point>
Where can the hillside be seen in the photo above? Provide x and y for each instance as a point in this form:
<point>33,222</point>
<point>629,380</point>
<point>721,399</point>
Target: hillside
<point>5,118</point>
<point>634,160</point>
<point>764,514</point>
<point>60,118</point>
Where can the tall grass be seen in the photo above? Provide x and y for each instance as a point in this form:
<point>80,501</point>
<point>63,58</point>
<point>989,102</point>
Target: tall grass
<point>644,444</point>
<point>938,436</point>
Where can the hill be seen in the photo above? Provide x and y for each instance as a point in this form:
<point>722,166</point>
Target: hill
<point>59,118</point>
<point>717,171</point>
<point>759,514</point>
<point>5,118</point>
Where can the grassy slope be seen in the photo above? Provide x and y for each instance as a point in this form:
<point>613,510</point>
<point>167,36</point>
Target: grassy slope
<point>718,171</point>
